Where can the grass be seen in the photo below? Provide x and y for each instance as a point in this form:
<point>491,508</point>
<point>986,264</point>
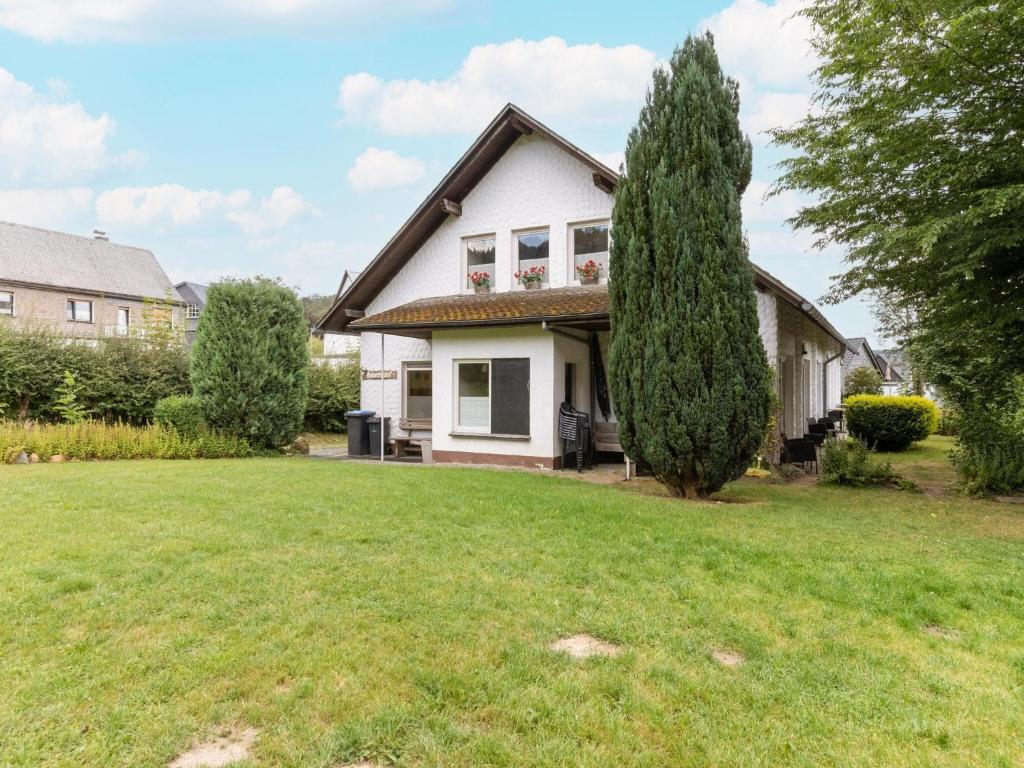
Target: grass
<point>402,614</point>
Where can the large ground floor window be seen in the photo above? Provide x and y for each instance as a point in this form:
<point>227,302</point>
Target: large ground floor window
<point>493,396</point>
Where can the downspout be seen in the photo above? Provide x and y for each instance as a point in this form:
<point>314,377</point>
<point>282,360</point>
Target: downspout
<point>382,398</point>
<point>834,357</point>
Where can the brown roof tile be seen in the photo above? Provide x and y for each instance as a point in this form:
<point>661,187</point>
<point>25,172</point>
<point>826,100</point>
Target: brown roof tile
<point>506,308</point>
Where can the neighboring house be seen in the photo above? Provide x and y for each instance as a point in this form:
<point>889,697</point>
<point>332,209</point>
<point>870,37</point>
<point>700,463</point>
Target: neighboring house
<point>194,296</point>
<point>340,344</point>
<point>860,355</point>
<point>484,375</point>
<point>82,287</point>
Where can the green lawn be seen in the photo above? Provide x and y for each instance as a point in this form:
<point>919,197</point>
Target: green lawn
<point>402,614</point>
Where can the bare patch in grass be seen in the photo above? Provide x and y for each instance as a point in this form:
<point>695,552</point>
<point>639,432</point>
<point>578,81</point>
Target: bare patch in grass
<point>584,646</point>
<point>728,658</point>
<point>233,746</point>
<point>360,764</point>
<point>944,633</point>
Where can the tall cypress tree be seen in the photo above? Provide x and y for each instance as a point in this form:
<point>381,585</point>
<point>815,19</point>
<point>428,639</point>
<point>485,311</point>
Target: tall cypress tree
<point>689,376</point>
<point>250,361</point>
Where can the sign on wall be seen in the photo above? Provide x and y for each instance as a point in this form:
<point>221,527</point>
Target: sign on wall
<point>376,374</point>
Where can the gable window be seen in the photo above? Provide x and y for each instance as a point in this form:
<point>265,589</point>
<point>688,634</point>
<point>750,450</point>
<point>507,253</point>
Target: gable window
<point>7,303</point>
<point>418,393</point>
<point>479,258</point>
<point>532,263</point>
<point>590,243</point>
<point>124,317</point>
<point>192,312</point>
<point>493,396</point>
<point>79,311</point>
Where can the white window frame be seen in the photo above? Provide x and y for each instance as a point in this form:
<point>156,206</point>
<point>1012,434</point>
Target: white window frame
<point>456,427</point>
<point>514,247</point>
<point>13,305</point>
<point>192,312</point>
<point>123,329</point>
<point>415,365</point>
<point>74,314</point>
<point>570,249</point>
<point>464,274</point>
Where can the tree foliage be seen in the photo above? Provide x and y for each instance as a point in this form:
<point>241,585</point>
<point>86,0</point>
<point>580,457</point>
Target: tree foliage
<point>333,391</point>
<point>689,377</point>
<point>913,153</point>
<point>249,361</point>
<point>862,381</point>
<point>115,379</point>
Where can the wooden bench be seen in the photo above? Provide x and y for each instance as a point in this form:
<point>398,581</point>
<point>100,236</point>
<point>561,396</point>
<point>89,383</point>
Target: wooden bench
<point>402,445</point>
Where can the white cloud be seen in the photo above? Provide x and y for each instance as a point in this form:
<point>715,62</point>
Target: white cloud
<point>548,77</point>
<point>613,160</point>
<point>273,213</point>
<point>773,110</point>
<point>46,139</point>
<point>384,169</point>
<point>173,205</point>
<point>764,42</point>
<point>92,20</point>
<point>48,208</point>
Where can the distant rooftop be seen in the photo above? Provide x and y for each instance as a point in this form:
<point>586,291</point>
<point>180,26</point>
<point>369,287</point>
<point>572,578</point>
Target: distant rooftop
<point>60,260</point>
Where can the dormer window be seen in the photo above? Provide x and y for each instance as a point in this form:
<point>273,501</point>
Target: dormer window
<point>532,256</point>
<point>479,258</point>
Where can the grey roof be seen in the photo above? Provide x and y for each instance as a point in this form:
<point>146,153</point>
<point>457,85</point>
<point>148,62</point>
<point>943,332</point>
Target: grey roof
<point>46,258</point>
<point>860,355</point>
<point>192,293</point>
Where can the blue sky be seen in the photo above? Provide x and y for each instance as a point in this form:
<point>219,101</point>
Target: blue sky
<point>292,137</point>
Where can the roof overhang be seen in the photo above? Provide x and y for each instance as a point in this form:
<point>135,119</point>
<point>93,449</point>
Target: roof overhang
<point>87,292</point>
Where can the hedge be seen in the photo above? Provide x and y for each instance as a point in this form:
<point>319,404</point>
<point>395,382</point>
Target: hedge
<point>890,423</point>
<point>97,440</point>
<point>333,390</point>
<point>183,413</point>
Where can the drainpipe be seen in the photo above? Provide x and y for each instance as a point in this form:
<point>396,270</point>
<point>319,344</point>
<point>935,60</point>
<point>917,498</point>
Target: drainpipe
<point>834,357</point>
<point>382,398</point>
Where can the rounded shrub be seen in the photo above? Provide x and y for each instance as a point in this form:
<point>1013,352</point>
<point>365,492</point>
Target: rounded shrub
<point>250,361</point>
<point>890,423</point>
<point>182,413</point>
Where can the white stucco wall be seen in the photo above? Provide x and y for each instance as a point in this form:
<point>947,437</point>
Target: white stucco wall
<point>528,341</point>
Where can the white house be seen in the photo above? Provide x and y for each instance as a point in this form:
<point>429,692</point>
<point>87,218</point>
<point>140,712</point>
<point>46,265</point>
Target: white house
<point>483,375</point>
<point>341,344</point>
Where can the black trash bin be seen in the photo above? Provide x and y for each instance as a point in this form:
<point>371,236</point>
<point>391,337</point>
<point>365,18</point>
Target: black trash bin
<point>358,432</point>
<point>374,425</point>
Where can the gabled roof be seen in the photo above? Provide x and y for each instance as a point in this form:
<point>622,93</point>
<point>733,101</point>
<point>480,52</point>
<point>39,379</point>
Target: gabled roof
<point>347,278</point>
<point>43,258</point>
<point>860,352</point>
<point>192,293</point>
<point>498,137</point>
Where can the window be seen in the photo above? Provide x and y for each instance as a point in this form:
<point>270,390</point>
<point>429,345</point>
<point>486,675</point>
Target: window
<point>79,311</point>
<point>7,303</point>
<point>474,408</point>
<point>192,312</point>
<point>493,396</point>
<point>419,392</point>
<point>124,316</point>
<point>479,258</point>
<point>532,257</point>
<point>590,243</point>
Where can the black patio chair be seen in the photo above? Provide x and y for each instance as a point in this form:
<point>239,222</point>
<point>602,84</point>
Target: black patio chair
<point>816,435</point>
<point>837,417</point>
<point>574,429</point>
<point>800,451</point>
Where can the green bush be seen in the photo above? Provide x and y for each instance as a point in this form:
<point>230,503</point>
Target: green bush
<point>250,361</point>
<point>862,381</point>
<point>989,454</point>
<point>333,390</point>
<point>890,423</point>
<point>98,440</point>
<point>183,413</point>
<point>849,462</point>
<point>114,379</point>
<point>949,421</point>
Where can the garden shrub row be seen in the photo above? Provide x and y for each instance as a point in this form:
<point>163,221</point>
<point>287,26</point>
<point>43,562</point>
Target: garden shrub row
<point>890,423</point>
<point>333,391</point>
<point>89,440</point>
<point>115,379</point>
